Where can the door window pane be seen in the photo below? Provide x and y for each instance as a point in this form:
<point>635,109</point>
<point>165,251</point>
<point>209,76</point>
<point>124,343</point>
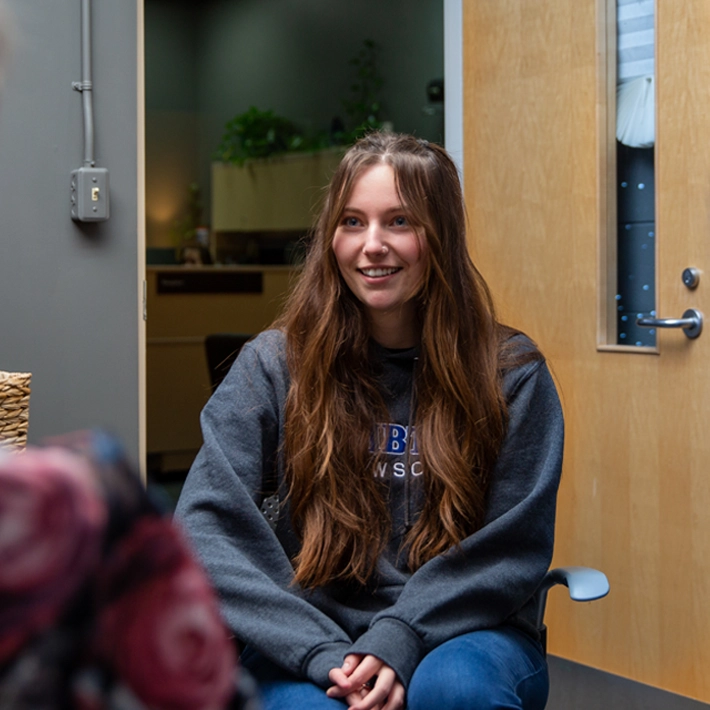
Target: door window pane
<point>635,183</point>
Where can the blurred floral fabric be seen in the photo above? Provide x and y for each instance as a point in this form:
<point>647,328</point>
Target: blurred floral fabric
<point>103,605</point>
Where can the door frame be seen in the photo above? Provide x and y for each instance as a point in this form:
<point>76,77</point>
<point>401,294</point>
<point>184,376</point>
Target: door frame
<point>140,236</point>
<point>453,81</point>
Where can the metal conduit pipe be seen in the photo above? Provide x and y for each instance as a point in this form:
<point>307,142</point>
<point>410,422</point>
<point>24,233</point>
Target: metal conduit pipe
<point>89,184</point>
<point>86,86</point>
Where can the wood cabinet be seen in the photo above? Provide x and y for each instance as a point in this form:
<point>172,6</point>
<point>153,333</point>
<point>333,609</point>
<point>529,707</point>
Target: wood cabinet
<point>271,194</point>
<point>185,304</point>
<point>260,209</point>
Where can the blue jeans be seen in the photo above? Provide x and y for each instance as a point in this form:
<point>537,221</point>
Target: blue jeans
<point>496,669</point>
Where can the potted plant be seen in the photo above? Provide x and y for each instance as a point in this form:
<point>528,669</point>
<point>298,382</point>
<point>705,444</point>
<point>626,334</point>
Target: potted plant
<point>269,174</point>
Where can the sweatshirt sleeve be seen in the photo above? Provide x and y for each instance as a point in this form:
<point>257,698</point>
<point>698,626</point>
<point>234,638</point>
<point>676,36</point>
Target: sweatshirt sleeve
<point>219,508</point>
<point>493,573</point>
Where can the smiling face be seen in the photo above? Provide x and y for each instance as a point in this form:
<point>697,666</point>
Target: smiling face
<point>382,257</point>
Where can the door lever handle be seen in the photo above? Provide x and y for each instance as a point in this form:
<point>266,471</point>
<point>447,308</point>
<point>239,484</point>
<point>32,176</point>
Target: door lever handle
<point>691,323</point>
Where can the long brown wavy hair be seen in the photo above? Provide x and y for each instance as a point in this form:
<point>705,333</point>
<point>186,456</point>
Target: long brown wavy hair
<point>338,507</point>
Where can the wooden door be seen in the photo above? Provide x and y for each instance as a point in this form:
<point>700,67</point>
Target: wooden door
<point>635,497</point>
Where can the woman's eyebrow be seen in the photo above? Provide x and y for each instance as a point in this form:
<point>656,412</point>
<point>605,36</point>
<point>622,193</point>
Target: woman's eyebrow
<point>389,210</point>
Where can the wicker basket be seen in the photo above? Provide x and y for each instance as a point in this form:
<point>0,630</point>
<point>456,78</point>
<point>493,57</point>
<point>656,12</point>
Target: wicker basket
<point>14,409</point>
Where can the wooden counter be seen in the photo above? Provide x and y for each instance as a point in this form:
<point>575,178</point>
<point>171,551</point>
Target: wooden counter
<point>185,304</point>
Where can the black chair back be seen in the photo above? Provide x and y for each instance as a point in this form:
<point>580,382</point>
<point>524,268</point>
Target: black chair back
<point>222,350</point>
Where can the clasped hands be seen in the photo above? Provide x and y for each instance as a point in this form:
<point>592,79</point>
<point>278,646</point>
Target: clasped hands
<point>366,683</point>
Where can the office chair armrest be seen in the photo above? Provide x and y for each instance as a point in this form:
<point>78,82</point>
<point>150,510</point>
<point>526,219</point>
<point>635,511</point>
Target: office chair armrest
<point>584,583</point>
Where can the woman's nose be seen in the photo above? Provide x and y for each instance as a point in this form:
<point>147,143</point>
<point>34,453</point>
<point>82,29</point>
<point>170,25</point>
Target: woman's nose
<point>374,243</point>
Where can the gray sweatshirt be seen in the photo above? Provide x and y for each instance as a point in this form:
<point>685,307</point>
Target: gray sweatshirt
<point>400,616</point>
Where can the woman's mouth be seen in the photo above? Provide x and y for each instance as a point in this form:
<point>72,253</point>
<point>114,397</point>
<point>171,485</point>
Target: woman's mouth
<point>380,271</point>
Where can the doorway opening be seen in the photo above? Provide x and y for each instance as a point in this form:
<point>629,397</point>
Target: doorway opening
<point>207,63</point>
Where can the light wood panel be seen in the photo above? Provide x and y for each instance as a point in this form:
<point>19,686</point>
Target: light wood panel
<point>278,193</point>
<point>178,384</point>
<point>197,314</point>
<point>635,497</point>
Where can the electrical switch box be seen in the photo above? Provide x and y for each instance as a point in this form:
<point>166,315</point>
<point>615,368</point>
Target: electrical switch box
<point>89,194</point>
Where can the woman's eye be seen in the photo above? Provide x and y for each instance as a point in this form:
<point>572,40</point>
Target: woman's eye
<point>350,222</point>
<point>400,222</point>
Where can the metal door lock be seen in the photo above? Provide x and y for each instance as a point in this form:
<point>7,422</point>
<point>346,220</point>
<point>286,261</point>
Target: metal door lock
<point>691,277</point>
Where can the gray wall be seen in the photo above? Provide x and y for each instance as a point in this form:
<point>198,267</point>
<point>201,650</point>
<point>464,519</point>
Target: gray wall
<point>70,312</point>
<point>291,57</point>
